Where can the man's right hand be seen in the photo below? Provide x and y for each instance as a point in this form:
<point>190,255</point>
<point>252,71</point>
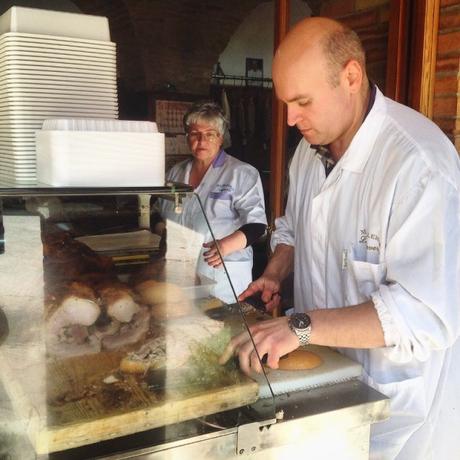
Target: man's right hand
<point>269,287</point>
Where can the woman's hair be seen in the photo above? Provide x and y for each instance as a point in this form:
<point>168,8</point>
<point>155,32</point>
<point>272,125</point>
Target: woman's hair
<point>340,47</point>
<point>207,112</point>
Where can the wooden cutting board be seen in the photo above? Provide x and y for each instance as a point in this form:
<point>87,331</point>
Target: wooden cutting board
<point>67,404</point>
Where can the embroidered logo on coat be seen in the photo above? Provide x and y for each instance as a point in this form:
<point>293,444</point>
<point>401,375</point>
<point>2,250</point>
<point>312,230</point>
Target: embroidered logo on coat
<point>371,240</point>
<point>222,192</point>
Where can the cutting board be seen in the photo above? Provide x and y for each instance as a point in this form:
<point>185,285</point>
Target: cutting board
<point>67,404</point>
<point>334,368</point>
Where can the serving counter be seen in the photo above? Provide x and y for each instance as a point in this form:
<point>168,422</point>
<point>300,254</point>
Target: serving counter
<point>111,329</point>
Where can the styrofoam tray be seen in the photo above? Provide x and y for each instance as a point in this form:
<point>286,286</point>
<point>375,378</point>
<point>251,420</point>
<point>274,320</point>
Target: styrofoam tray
<point>39,21</point>
<point>6,136</point>
<point>16,175</point>
<point>32,116</point>
<point>15,130</point>
<point>26,147</point>
<point>50,70</point>
<point>17,145</point>
<point>47,104</point>
<point>7,179</point>
<point>22,159</point>
<point>60,49</point>
<point>111,159</point>
<point>59,39</point>
<point>18,150</point>
<point>54,59</point>
<point>24,77</point>
<point>25,96</point>
<point>21,99</point>
<point>23,170</point>
<point>18,158</point>
<point>67,65</point>
<point>23,88</point>
<point>99,124</point>
<point>29,124</point>
<point>59,112</point>
<point>15,163</point>
<point>21,67</point>
<point>84,80</point>
<point>59,87</point>
<point>55,55</point>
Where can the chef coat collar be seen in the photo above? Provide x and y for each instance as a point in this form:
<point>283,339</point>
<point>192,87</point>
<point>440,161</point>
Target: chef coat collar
<point>219,160</point>
<point>323,150</point>
<point>360,148</point>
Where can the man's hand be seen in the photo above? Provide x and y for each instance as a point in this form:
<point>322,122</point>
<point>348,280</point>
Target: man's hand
<point>269,287</point>
<point>273,338</point>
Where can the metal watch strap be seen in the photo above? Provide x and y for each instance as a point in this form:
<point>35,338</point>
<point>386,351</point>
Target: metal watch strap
<point>302,334</point>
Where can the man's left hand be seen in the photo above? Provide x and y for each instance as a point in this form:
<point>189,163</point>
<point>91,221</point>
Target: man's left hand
<point>273,338</point>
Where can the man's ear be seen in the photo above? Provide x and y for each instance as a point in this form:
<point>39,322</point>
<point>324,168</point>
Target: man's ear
<point>353,75</point>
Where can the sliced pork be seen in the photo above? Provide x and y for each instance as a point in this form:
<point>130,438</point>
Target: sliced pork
<point>129,333</point>
<point>68,314</point>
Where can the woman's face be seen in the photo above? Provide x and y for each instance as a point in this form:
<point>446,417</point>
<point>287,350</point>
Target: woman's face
<point>204,141</point>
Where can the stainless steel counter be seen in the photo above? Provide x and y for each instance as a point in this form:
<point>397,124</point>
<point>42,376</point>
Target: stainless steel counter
<point>332,422</point>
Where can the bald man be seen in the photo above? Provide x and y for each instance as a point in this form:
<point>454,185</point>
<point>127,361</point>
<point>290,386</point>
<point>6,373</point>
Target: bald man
<point>371,231</point>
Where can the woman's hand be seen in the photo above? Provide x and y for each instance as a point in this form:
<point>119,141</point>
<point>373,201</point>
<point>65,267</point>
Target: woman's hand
<point>231,243</point>
<point>212,256</point>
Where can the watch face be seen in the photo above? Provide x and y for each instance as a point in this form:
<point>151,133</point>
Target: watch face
<point>300,320</point>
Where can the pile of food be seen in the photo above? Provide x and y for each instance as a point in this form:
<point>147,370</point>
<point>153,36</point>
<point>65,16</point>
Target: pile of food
<point>156,326</point>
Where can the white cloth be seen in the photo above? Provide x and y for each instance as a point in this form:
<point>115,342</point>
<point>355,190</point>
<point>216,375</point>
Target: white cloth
<point>385,225</point>
<point>231,195</point>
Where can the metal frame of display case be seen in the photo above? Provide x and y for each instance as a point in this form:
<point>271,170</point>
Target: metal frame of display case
<point>331,421</point>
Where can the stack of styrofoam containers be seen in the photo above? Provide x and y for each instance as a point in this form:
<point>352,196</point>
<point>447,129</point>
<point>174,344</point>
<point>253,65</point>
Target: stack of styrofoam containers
<point>102,153</point>
<point>52,64</point>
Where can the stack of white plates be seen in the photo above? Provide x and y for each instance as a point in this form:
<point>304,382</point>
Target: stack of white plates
<point>49,76</point>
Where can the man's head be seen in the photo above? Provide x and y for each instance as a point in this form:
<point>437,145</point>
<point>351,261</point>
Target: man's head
<point>319,72</point>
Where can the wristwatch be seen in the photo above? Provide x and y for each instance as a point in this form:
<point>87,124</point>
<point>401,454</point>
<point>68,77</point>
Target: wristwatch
<point>300,324</point>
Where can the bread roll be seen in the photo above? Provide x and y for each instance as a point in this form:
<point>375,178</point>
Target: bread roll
<point>132,366</point>
<point>300,360</point>
<point>164,311</point>
<point>156,292</point>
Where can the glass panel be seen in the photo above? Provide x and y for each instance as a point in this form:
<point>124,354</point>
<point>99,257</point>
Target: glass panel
<point>112,325</point>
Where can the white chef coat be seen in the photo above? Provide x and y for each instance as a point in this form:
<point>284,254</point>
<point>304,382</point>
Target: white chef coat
<point>231,194</point>
<point>385,225</point>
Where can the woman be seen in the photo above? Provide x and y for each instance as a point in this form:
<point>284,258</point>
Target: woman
<point>232,197</point>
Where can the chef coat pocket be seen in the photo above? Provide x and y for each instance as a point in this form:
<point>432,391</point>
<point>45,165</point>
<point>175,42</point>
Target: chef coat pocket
<point>221,206</point>
<point>364,278</point>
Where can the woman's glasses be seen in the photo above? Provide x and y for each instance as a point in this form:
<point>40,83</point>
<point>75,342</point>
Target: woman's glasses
<point>209,136</point>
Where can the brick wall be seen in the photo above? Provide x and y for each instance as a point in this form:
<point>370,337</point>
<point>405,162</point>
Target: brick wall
<point>179,41</point>
<point>369,18</point>
<point>446,105</point>
<point>173,41</point>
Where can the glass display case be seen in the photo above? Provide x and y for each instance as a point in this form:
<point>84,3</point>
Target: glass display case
<point>112,324</point>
